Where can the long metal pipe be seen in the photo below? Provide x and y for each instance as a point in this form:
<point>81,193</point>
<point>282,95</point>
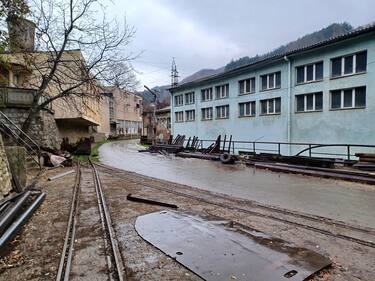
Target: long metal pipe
<point>20,221</point>
<point>60,175</point>
<point>12,212</point>
<point>10,198</point>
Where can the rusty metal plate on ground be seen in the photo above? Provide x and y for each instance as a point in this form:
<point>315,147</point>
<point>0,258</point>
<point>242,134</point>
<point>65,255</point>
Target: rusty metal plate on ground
<point>216,250</point>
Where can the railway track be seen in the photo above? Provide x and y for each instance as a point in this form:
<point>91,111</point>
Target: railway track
<point>113,257</point>
<point>337,225</point>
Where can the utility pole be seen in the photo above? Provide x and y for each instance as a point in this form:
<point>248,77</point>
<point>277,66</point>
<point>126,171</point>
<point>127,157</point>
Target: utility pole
<point>174,74</point>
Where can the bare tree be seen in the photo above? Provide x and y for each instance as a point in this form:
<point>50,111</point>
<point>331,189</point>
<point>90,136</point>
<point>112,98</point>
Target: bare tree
<point>124,77</point>
<point>61,74</point>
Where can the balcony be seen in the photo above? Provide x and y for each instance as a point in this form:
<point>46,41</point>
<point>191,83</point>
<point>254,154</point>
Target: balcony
<point>16,97</point>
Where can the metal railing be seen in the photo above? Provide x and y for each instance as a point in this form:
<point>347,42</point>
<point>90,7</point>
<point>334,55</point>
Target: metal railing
<point>9,128</point>
<point>301,148</point>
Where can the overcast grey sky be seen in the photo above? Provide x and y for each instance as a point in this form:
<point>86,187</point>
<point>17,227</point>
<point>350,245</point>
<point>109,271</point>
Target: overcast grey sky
<point>208,33</point>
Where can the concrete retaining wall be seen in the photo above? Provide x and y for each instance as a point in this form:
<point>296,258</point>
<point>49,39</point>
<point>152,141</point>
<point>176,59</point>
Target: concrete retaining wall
<point>5,183</point>
<point>17,162</point>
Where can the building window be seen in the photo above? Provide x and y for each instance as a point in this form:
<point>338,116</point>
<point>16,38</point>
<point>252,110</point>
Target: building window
<point>246,86</point>
<point>247,109</point>
<point>271,81</point>
<point>222,91</point>
<point>190,115</point>
<point>309,102</point>
<point>190,98</point>
<point>348,98</point>
<point>179,116</point>
<point>310,73</point>
<point>270,106</point>
<point>351,64</point>
<point>222,112</point>
<point>179,100</point>
<point>207,113</point>
<point>206,94</point>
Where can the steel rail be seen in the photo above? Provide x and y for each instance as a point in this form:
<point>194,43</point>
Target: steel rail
<point>107,223</point>
<point>286,212</point>
<point>67,252</point>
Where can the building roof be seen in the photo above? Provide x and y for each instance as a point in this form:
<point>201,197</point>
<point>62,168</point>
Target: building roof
<point>366,29</point>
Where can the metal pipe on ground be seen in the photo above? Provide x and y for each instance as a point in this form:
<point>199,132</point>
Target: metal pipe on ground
<point>3,207</point>
<point>60,175</point>
<point>20,221</point>
<point>10,198</point>
<point>9,215</point>
<point>130,197</point>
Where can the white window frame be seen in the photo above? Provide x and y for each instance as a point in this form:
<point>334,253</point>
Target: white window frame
<point>305,102</point>
<point>251,113</point>
<point>224,111</point>
<point>268,81</point>
<point>343,74</point>
<point>305,73</point>
<point>190,115</point>
<point>207,113</point>
<point>179,100</point>
<point>222,91</point>
<point>190,98</point>
<point>251,81</point>
<point>274,106</point>
<point>342,99</point>
<point>207,94</point>
<point>179,115</point>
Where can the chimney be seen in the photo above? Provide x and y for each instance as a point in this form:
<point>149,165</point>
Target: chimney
<point>21,34</point>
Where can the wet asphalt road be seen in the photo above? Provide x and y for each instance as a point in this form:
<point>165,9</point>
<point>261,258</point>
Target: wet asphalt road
<point>344,201</point>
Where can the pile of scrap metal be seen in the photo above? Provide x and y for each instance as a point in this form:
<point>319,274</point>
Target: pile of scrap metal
<point>81,147</point>
<point>177,145</point>
<point>322,162</point>
<point>218,150</point>
<point>15,209</point>
<point>56,158</point>
<point>366,161</point>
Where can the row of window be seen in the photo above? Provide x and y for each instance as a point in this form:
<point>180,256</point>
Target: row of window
<point>340,66</point>
<point>340,99</point>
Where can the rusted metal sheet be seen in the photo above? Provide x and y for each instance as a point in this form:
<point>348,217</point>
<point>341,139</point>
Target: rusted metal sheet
<point>215,250</point>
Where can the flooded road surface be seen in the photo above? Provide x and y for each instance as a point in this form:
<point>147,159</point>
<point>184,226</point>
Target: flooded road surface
<point>348,202</point>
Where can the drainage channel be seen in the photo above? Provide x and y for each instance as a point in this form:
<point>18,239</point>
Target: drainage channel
<point>90,244</point>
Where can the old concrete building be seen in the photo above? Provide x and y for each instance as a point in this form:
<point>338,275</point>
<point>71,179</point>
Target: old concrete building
<point>323,93</point>
<point>163,123</point>
<point>71,117</point>
<point>121,112</point>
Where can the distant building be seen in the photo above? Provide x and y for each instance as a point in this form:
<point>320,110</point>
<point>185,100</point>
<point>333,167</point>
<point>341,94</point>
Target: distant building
<point>159,129</point>
<point>323,93</point>
<point>121,112</point>
<point>163,123</point>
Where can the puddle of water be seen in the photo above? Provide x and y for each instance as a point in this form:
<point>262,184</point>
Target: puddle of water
<point>349,202</point>
<point>216,252</point>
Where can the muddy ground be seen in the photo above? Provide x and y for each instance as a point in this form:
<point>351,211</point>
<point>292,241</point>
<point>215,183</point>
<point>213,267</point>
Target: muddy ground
<point>35,253</point>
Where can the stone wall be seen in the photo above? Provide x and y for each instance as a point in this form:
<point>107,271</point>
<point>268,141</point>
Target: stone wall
<point>5,178</point>
<point>43,128</point>
<point>17,163</point>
